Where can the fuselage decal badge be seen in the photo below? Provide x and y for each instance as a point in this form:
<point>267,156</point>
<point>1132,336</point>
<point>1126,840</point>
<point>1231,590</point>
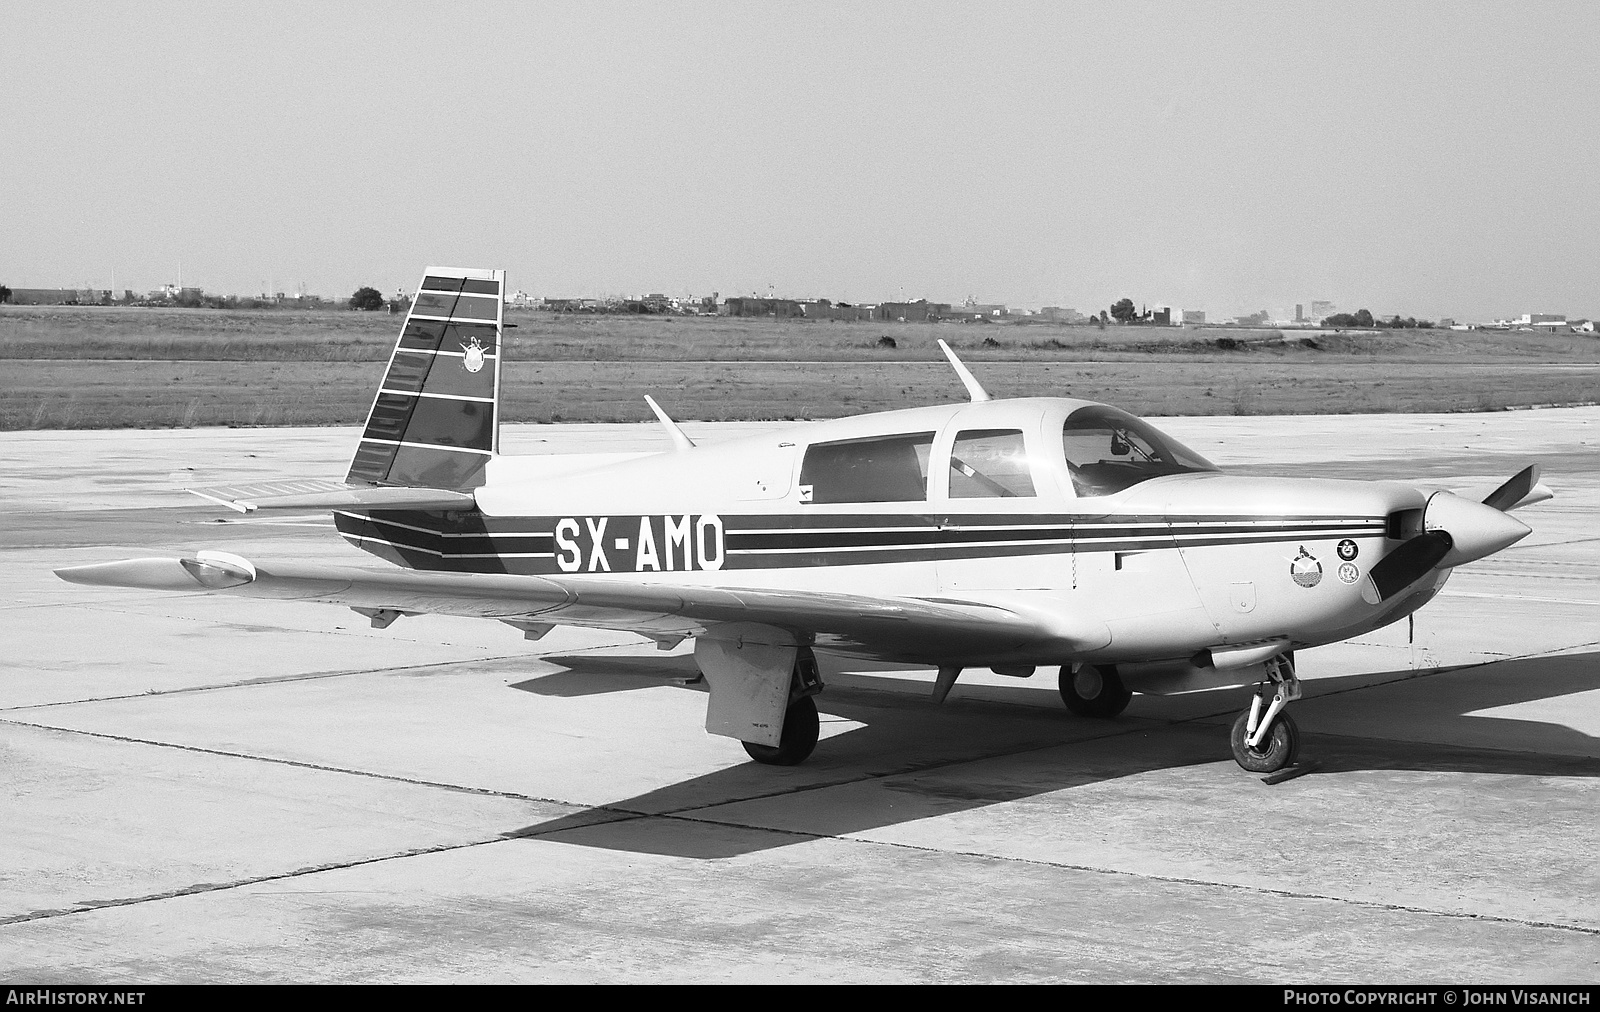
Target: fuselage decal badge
<point>1305,569</point>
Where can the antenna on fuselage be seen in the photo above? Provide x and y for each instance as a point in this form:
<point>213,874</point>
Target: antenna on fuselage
<point>974,389</point>
<point>679,440</point>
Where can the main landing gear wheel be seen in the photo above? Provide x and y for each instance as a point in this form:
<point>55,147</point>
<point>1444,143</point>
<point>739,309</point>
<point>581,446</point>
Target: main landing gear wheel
<point>1093,691</point>
<point>1278,749</point>
<point>800,727</point>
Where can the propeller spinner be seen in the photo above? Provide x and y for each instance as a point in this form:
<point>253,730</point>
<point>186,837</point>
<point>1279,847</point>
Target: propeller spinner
<point>1455,531</point>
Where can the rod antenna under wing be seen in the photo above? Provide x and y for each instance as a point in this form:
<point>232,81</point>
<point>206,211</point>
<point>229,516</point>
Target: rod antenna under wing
<point>974,388</point>
<point>679,440</point>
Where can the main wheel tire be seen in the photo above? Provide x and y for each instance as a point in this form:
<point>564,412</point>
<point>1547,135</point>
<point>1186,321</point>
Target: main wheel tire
<point>1280,748</point>
<point>800,727</point>
<point>1093,690</point>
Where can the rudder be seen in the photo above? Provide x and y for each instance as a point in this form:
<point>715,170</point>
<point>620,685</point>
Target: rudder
<point>435,421</point>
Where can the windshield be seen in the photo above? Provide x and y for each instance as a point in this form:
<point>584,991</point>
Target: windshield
<point>1109,450</point>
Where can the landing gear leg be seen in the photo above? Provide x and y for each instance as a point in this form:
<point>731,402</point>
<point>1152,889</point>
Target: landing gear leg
<point>1265,738</point>
<point>800,722</point>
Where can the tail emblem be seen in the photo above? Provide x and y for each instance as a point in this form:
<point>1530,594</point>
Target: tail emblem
<point>472,360</point>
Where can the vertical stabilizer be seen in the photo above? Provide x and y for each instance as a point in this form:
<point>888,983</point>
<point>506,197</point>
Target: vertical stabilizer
<point>436,420</point>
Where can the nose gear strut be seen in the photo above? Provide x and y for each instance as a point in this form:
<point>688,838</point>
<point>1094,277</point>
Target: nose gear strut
<point>1266,742</point>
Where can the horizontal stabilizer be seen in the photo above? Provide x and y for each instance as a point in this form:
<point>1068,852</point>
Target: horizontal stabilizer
<point>319,494</point>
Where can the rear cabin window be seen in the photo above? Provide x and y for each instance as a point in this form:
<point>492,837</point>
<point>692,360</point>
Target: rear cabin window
<point>989,463</point>
<point>1109,450</point>
<point>879,469</point>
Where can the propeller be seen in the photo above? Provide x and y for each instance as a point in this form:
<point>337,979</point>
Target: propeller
<point>1517,488</point>
<point>1406,565</point>
<point>1456,531</point>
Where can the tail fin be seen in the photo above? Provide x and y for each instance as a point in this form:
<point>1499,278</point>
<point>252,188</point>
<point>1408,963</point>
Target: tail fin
<point>436,419</point>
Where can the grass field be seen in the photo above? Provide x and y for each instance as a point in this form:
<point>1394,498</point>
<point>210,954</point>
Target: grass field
<point>71,367</point>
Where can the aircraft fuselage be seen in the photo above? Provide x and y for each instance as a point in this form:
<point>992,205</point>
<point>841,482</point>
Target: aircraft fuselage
<point>1001,500</point>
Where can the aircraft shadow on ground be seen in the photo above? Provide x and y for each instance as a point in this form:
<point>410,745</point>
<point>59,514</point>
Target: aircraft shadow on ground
<point>912,759</point>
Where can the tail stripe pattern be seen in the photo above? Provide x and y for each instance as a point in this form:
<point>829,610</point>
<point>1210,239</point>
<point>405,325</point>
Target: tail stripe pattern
<point>435,419</point>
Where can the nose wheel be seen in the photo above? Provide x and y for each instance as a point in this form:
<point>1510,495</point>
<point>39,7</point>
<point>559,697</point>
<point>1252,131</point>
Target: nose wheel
<point>1266,739</point>
<point>1278,748</point>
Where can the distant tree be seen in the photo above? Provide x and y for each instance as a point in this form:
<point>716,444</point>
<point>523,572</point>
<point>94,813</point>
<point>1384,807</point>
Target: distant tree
<point>367,299</point>
<point>5,294</point>
<point>1122,310</point>
<point>1360,318</point>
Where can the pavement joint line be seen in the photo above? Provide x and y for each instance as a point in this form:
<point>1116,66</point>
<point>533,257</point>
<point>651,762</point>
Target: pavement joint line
<point>1172,879</point>
<point>265,680</point>
<point>1474,595</point>
<point>685,814</point>
<point>211,887</point>
<point>299,764</point>
<point>282,679</point>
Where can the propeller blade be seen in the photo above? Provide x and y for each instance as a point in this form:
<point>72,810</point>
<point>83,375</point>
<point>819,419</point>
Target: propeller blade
<point>1516,489</point>
<point>1406,565</point>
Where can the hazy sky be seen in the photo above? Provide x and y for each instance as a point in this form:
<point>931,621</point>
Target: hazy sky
<point>1425,158</point>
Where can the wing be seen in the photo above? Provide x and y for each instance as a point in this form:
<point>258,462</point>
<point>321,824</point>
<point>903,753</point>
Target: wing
<point>919,630</point>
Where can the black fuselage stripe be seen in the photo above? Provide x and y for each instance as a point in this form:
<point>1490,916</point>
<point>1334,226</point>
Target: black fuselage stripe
<point>839,550</point>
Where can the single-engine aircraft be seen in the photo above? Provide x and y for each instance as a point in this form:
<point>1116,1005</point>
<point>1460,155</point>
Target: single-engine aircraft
<point>1004,534</point>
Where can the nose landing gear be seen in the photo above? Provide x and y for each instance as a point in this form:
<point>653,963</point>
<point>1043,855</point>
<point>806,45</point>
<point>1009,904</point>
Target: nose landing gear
<point>1265,738</point>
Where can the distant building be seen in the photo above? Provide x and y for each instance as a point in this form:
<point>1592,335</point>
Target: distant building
<point>921,311</point>
<point>1299,312</point>
<point>752,306</point>
<point>60,296</point>
<point>1260,319</point>
<point>1321,310</point>
<point>1061,314</point>
<point>1194,316</point>
<point>1162,317</point>
<point>979,310</point>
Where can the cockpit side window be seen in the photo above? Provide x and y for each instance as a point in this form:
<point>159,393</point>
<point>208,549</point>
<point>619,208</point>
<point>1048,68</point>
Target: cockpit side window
<point>877,469</point>
<point>1109,450</point>
<point>989,463</point>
